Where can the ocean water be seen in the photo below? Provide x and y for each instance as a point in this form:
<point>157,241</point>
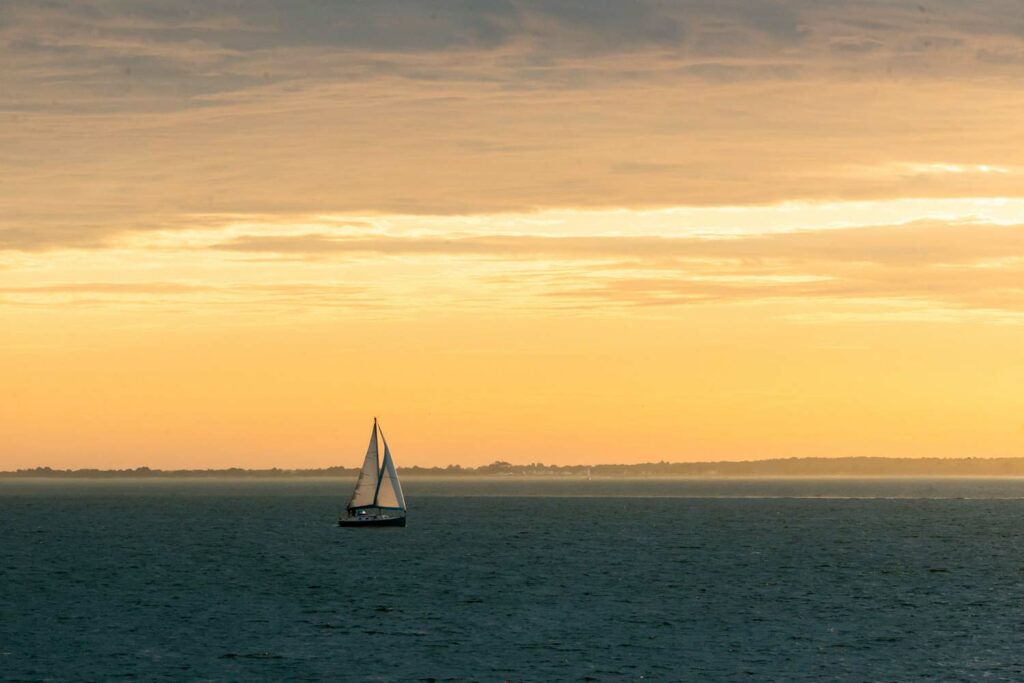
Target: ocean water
<point>517,580</point>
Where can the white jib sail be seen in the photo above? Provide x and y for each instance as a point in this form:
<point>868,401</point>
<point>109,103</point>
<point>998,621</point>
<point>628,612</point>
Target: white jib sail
<point>366,485</point>
<point>389,493</point>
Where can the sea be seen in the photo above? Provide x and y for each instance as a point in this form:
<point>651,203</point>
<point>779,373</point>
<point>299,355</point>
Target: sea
<point>515,579</point>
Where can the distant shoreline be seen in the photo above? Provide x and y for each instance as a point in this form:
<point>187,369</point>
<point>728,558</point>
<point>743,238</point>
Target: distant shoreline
<point>777,467</point>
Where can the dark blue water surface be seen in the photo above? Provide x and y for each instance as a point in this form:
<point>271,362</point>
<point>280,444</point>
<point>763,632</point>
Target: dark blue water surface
<point>888,580</point>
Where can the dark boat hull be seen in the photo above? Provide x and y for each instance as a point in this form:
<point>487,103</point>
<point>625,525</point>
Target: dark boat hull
<point>355,522</point>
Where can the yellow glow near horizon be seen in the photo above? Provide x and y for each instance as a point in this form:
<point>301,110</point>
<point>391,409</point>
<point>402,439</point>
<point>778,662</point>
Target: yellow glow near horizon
<point>188,393</point>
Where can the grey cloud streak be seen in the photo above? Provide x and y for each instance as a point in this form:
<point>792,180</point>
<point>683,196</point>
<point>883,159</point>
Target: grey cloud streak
<point>131,116</point>
<point>924,243</point>
<point>195,32</point>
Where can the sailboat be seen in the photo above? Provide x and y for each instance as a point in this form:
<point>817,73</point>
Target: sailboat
<point>377,499</point>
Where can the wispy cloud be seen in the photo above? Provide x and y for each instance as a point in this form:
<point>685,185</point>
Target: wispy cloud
<point>107,288</point>
<point>926,264</point>
<point>289,297</point>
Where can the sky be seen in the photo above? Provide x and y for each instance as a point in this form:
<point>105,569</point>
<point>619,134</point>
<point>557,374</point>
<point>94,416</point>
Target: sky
<point>568,231</point>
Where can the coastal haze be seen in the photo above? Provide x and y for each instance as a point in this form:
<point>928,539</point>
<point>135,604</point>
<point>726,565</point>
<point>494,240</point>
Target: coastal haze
<point>567,232</point>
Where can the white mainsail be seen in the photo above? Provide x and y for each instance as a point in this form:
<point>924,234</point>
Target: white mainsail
<point>389,490</point>
<point>366,485</point>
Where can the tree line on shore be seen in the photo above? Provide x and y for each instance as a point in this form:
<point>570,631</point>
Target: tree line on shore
<point>778,467</point>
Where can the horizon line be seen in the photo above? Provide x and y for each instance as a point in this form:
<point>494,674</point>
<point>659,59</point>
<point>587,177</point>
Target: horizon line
<point>500,466</point>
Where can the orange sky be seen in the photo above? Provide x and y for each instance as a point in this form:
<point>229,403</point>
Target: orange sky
<point>573,232</point>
